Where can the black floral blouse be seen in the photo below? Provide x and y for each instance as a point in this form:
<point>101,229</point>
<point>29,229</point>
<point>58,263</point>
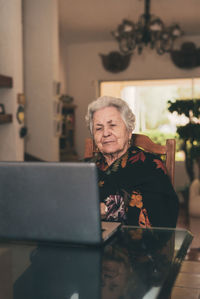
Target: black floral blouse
<point>137,190</point>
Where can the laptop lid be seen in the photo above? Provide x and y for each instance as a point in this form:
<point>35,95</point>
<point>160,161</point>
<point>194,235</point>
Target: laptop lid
<point>50,201</point>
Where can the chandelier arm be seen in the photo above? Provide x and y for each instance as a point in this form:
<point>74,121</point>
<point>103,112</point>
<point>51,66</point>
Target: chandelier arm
<point>147,16</point>
<point>125,51</point>
<point>147,9</point>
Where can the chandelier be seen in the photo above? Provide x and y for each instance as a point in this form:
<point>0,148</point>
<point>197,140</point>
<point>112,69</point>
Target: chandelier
<point>150,30</point>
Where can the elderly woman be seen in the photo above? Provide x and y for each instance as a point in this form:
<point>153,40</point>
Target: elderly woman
<point>133,189</point>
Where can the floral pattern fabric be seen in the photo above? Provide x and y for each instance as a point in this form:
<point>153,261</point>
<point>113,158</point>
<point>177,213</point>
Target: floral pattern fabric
<point>116,208</point>
<point>137,190</point>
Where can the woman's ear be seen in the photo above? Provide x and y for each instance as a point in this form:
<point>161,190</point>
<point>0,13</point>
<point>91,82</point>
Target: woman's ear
<point>95,148</point>
<point>130,135</point>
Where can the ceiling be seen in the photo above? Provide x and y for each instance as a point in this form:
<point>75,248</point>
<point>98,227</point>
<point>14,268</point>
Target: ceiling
<point>93,20</point>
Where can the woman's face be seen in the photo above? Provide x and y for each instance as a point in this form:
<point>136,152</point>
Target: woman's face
<point>110,133</point>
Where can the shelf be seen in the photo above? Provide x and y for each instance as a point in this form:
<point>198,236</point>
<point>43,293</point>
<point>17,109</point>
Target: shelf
<point>66,142</point>
<point>6,81</point>
<point>68,106</point>
<point>5,118</point>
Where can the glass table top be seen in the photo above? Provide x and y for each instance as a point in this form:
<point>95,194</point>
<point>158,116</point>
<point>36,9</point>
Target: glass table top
<point>135,263</point>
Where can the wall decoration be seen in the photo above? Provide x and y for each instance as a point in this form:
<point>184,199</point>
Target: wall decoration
<point>21,99</point>
<point>57,128</point>
<point>2,109</point>
<point>56,88</point>
<point>187,57</point>
<point>23,132</point>
<point>57,108</point>
<point>20,114</point>
<point>115,62</point>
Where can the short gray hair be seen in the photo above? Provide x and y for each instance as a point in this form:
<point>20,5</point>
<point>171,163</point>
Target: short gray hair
<point>107,101</point>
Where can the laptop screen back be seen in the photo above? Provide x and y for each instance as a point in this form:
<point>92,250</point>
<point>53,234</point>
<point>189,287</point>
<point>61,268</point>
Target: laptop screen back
<point>50,201</point>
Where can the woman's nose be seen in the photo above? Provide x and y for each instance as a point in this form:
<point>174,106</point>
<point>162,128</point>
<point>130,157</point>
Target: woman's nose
<point>106,131</point>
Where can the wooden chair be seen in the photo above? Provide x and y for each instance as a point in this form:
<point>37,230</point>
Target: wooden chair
<point>167,151</point>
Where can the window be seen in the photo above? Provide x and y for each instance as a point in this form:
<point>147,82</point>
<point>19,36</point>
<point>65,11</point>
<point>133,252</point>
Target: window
<point>149,101</point>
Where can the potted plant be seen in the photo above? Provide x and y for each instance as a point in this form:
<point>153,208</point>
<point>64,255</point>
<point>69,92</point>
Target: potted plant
<point>189,134</point>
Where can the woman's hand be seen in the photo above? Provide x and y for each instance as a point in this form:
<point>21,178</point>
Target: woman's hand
<point>103,209</point>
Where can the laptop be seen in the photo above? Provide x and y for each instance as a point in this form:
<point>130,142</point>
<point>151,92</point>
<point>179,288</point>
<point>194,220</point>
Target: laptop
<point>51,201</point>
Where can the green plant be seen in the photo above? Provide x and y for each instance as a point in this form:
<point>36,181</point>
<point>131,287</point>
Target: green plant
<point>159,137</point>
<point>189,134</point>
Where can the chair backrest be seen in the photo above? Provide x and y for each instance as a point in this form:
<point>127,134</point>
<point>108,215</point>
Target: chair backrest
<point>144,142</point>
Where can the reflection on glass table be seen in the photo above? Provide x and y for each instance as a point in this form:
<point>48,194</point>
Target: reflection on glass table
<point>135,263</point>
<point>143,263</point>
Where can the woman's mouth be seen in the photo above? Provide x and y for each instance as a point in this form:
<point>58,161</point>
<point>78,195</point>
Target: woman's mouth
<point>107,142</point>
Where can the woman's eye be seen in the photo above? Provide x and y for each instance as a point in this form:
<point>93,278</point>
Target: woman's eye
<point>98,129</point>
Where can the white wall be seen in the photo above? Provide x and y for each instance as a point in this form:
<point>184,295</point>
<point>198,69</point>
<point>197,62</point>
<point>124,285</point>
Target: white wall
<point>84,68</point>
<point>12,146</point>
<point>41,70</point>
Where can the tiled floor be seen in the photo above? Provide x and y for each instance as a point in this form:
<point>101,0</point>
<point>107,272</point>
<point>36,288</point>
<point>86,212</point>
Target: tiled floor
<point>193,225</point>
<point>187,285</point>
